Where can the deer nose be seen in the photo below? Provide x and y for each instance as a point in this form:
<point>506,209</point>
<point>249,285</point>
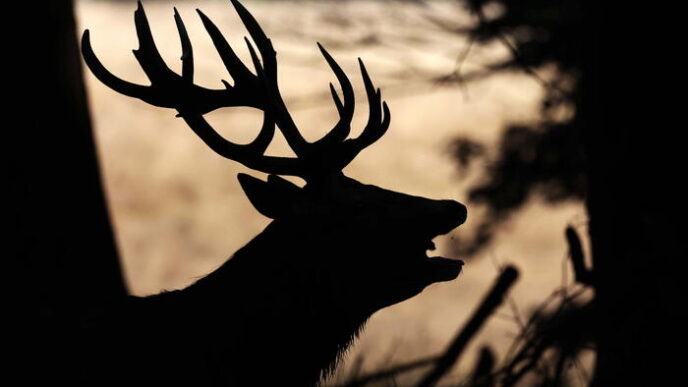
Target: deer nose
<point>445,216</point>
<point>455,212</point>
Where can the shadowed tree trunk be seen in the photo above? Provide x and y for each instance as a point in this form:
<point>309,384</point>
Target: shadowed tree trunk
<point>62,239</point>
<point>633,202</point>
<point>625,140</point>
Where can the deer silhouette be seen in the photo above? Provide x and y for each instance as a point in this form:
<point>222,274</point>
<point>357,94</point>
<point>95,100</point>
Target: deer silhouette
<point>286,306</point>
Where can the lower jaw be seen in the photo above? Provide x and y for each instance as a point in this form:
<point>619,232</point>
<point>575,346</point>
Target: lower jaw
<point>440,269</point>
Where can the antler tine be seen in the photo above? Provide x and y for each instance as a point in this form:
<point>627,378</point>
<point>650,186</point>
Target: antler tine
<point>337,101</point>
<point>256,61</point>
<point>346,109</point>
<point>187,49</point>
<point>147,54</point>
<point>278,108</point>
<point>263,43</point>
<point>242,76</point>
<point>252,154</point>
<point>373,131</point>
<point>375,128</point>
<point>377,123</point>
<point>167,89</point>
<point>119,85</point>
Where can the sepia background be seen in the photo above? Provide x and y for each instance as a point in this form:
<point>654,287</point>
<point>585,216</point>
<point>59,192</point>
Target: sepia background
<point>178,209</point>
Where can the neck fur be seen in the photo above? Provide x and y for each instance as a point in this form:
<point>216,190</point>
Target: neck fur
<point>266,303</point>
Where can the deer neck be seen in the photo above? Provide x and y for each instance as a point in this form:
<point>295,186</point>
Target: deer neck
<point>268,291</point>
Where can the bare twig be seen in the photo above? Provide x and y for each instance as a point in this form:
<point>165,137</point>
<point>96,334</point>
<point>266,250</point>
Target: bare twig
<point>515,53</point>
<point>583,275</point>
<point>493,299</point>
<point>463,55</point>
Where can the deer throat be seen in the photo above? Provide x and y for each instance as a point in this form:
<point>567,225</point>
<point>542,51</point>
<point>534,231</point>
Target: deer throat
<point>442,269</point>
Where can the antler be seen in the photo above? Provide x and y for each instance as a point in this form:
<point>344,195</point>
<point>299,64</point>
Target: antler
<point>328,155</point>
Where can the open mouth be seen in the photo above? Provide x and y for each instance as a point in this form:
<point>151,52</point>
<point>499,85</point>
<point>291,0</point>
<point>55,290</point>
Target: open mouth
<point>431,269</point>
<point>439,269</point>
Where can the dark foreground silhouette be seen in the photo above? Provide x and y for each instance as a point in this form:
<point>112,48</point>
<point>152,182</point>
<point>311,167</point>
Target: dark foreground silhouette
<point>286,306</point>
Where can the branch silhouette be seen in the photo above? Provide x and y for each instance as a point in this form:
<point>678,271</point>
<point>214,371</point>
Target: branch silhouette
<point>492,300</point>
<point>443,363</point>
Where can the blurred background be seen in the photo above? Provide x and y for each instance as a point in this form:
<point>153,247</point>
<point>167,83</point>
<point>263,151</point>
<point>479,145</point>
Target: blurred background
<point>481,94</point>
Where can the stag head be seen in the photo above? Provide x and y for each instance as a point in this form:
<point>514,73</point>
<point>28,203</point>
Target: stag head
<point>341,230</point>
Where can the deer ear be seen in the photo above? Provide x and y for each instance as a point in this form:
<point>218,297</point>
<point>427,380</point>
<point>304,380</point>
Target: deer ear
<point>275,198</point>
